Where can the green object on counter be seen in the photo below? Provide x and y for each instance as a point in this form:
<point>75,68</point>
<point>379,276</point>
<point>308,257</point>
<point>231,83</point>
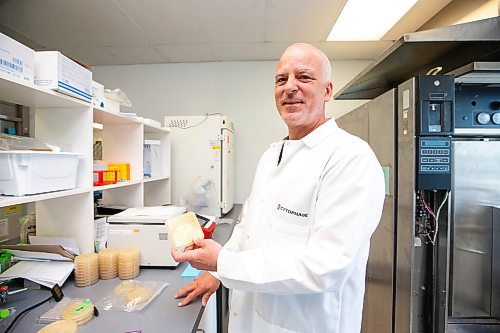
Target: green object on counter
<point>4,313</point>
<point>7,312</point>
<point>86,303</point>
<point>5,261</point>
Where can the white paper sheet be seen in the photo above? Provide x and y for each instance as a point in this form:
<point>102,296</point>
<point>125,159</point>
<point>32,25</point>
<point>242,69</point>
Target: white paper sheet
<point>68,243</point>
<point>44,273</point>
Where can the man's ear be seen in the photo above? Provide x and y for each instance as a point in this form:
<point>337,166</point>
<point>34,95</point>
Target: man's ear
<point>328,91</point>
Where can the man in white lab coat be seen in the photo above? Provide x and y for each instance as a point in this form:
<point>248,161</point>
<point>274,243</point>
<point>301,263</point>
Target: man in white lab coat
<point>297,260</point>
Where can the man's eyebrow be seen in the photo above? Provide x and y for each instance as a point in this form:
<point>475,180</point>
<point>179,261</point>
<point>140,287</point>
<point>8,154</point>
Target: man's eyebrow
<point>305,70</point>
<point>280,75</point>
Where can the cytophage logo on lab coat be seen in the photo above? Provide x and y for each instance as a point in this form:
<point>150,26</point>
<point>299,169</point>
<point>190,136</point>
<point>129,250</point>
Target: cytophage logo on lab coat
<point>289,211</point>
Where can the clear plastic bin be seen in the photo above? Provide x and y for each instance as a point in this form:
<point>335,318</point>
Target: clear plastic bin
<point>31,172</point>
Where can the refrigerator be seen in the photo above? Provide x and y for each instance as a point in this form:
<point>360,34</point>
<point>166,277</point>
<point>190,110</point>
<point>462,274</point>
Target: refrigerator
<point>202,162</point>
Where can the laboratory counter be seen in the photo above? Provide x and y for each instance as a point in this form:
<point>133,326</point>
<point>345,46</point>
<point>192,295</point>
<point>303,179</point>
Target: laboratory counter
<point>161,315</point>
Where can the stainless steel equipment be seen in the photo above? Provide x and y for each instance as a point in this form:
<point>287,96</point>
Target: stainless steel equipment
<point>434,265</point>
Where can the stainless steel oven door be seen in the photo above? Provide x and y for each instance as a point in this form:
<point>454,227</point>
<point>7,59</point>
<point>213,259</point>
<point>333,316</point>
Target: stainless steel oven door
<point>474,274</point>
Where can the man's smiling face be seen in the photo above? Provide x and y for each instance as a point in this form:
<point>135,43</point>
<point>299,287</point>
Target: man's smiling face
<point>300,89</point>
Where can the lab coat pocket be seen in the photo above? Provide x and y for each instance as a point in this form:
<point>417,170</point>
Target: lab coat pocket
<point>260,325</point>
<point>289,230</point>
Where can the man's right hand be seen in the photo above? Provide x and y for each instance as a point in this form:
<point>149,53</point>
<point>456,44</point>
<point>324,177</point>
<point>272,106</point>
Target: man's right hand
<point>204,285</point>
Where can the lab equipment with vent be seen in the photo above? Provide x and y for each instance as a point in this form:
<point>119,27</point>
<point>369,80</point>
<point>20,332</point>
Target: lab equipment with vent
<point>202,152</point>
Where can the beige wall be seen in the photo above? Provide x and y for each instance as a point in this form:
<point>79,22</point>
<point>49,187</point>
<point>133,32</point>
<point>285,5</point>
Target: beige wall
<point>462,11</point>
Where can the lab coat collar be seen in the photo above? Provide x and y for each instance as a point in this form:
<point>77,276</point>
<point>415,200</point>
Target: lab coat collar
<point>320,133</point>
<point>313,138</point>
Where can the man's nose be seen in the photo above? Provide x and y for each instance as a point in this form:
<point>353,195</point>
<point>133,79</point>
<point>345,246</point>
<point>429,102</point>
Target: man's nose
<point>291,86</point>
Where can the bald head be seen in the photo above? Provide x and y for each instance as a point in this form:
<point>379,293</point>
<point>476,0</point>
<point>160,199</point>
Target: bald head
<point>302,86</point>
<point>296,48</point>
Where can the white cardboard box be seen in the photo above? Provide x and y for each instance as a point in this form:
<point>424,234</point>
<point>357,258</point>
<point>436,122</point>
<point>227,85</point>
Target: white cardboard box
<point>55,71</point>
<point>24,172</point>
<point>111,105</point>
<point>98,95</point>
<point>152,158</point>
<point>16,59</point>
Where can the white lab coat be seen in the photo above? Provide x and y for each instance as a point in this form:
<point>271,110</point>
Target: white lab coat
<point>296,262</point>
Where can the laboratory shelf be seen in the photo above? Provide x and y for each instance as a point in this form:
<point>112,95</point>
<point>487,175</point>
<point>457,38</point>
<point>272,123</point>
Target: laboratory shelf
<point>18,92</point>
<point>149,128</point>
<point>154,179</point>
<point>117,185</point>
<point>102,116</point>
<point>10,201</point>
<point>68,121</point>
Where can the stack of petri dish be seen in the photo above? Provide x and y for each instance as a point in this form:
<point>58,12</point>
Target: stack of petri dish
<point>80,313</point>
<point>128,263</point>
<point>86,269</point>
<point>108,263</point>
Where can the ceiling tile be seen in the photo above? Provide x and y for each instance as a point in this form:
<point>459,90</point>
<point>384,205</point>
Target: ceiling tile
<point>228,21</point>
<point>240,51</point>
<point>92,56</point>
<point>130,55</point>
<point>150,31</point>
<point>186,52</point>
<point>301,21</point>
<point>274,50</point>
<point>30,18</point>
<point>63,24</point>
<point>164,21</point>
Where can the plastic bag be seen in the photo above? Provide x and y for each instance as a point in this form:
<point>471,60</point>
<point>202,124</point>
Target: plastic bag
<point>131,295</point>
<point>27,224</point>
<point>55,313</point>
<point>118,95</point>
<point>14,142</point>
<point>201,197</point>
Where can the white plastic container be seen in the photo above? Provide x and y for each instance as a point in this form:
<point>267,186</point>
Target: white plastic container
<point>111,105</point>
<point>152,158</point>
<point>30,172</point>
<point>98,95</point>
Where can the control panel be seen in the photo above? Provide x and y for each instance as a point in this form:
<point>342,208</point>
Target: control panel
<point>435,103</point>
<point>434,163</point>
<point>477,110</point>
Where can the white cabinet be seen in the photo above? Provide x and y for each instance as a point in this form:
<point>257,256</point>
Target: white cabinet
<point>68,121</point>
<point>123,142</point>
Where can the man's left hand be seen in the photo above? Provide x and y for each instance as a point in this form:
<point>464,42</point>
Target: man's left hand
<point>202,256</point>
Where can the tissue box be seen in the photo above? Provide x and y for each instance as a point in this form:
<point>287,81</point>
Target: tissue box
<point>16,59</point>
<point>55,71</point>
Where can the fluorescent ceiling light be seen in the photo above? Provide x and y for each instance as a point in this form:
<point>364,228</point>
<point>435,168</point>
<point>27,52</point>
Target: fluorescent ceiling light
<point>368,19</point>
<point>97,126</point>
